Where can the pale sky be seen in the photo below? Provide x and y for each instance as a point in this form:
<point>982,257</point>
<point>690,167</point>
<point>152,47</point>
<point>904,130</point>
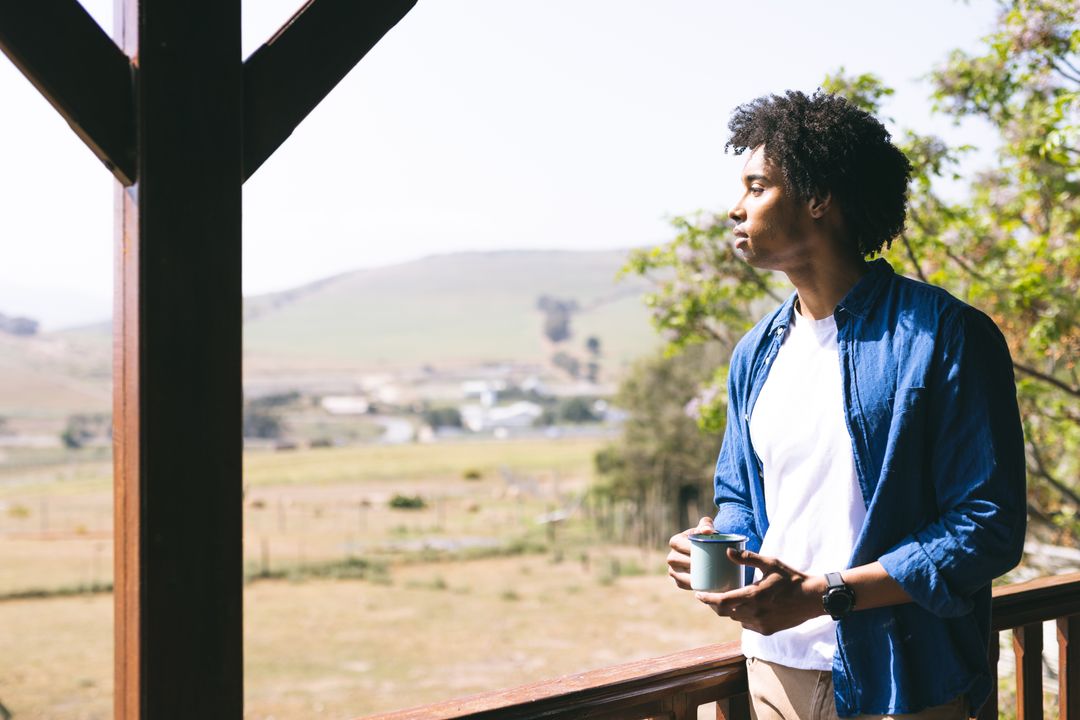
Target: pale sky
<point>480,125</point>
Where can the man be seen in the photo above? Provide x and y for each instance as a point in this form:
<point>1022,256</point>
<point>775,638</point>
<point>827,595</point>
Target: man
<point>873,454</point>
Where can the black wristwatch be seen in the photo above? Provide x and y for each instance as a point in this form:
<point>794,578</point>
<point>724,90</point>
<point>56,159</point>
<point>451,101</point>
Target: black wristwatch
<point>839,599</point>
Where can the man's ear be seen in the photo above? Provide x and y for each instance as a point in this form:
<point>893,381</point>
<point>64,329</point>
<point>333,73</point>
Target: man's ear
<point>818,206</point>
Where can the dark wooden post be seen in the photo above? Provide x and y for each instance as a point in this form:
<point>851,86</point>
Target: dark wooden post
<point>179,638</point>
<point>168,112</point>
<point>735,707</point>
<point>1068,637</point>
<point>1028,645</point>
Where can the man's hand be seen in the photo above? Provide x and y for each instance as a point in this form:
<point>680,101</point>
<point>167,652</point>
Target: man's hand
<point>782,599</point>
<point>678,559</point>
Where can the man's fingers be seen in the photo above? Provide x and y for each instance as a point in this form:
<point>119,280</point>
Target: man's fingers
<point>678,560</point>
<point>723,602</point>
<point>681,543</point>
<point>748,557</point>
<point>705,525</point>
<point>682,580</point>
<point>676,557</point>
<point>738,596</point>
<point>679,566</point>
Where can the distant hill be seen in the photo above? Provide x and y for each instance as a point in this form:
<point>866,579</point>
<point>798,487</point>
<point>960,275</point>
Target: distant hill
<point>452,309</point>
<point>55,373</point>
<point>455,308</point>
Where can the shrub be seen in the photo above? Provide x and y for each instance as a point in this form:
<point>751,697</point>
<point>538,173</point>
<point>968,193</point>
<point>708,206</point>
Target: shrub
<point>443,417</point>
<point>407,502</point>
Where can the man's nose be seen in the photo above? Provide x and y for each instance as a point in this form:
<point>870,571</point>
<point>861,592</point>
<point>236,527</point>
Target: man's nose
<point>736,213</point>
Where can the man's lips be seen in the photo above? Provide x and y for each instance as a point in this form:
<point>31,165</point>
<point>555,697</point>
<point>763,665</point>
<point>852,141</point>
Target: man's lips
<point>741,238</point>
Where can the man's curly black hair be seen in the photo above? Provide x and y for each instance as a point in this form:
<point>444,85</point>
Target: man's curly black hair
<point>824,144</point>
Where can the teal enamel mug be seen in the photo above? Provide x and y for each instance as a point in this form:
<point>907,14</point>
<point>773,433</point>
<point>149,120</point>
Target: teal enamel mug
<point>710,568</point>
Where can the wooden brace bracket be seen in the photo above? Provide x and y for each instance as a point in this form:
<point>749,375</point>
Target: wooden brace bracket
<point>80,71</point>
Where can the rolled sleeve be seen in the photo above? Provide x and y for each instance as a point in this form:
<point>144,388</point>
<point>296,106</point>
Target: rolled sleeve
<point>977,471</point>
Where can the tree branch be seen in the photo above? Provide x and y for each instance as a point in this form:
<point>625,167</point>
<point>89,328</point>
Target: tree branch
<point>1037,514</point>
<point>716,335</point>
<point>1062,417</point>
<point>1066,75</point>
<point>1050,379</point>
<point>911,256</point>
<point>963,265</point>
<point>1069,65</point>
<point>1042,472</point>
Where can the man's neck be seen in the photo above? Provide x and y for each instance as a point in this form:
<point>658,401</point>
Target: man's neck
<point>822,286</point>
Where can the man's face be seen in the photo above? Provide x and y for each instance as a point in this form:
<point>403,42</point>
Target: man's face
<point>773,229</point>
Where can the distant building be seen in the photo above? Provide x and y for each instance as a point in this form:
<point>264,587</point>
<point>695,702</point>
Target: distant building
<point>486,391</point>
<point>480,418</point>
<point>345,405</point>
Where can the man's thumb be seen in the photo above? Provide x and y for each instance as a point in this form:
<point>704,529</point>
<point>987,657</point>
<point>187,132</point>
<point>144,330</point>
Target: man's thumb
<point>705,525</point>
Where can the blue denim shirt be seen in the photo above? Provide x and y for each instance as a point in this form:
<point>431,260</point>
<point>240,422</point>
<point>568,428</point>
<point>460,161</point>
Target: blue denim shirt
<point>930,402</point>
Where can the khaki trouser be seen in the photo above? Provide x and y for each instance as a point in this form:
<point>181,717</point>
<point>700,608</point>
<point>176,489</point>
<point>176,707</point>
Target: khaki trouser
<point>778,692</point>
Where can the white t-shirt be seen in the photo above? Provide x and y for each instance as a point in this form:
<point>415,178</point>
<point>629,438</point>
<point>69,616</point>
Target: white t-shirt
<point>812,495</point>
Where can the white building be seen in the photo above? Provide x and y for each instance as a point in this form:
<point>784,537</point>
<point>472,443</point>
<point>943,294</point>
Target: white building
<point>480,418</point>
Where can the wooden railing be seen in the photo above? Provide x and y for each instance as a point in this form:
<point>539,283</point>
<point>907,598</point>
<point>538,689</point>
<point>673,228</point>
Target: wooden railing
<point>1023,608</point>
<point>674,686</point>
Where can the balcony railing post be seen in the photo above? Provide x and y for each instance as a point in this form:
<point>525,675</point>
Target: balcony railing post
<point>680,709</point>
<point>1068,637</point>
<point>1028,644</point>
<point>736,707</point>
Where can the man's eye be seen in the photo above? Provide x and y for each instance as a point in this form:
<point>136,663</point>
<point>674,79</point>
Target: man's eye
<point>756,189</point>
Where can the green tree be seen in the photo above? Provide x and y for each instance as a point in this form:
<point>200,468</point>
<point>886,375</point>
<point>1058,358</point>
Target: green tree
<point>83,428</point>
<point>262,423</point>
<point>1009,247</point>
<point>663,462</point>
<point>557,316</point>
<point>443,417</point>
<point>577,410</point>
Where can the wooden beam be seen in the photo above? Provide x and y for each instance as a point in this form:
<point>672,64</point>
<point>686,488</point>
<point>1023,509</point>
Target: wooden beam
<point>79,70</point>
<point>177,422</point>
<point>1039,600</point>
<point>289,75</point>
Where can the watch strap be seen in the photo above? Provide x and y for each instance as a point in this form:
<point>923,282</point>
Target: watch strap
<point>833,580</point>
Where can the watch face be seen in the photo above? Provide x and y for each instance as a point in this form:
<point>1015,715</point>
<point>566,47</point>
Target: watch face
<point>838,602</point>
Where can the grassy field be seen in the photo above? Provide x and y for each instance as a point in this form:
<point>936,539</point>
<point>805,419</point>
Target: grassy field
<point>311,506</point>
<point>363,608</point>
<point>342,649</point>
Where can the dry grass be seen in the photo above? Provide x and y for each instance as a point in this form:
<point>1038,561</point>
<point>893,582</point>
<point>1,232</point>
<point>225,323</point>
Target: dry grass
<point>342,649</point>
<point>300,507</point>
<point>414,631</point>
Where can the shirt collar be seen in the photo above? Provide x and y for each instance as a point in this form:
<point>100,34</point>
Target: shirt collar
<point>858,301</point>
